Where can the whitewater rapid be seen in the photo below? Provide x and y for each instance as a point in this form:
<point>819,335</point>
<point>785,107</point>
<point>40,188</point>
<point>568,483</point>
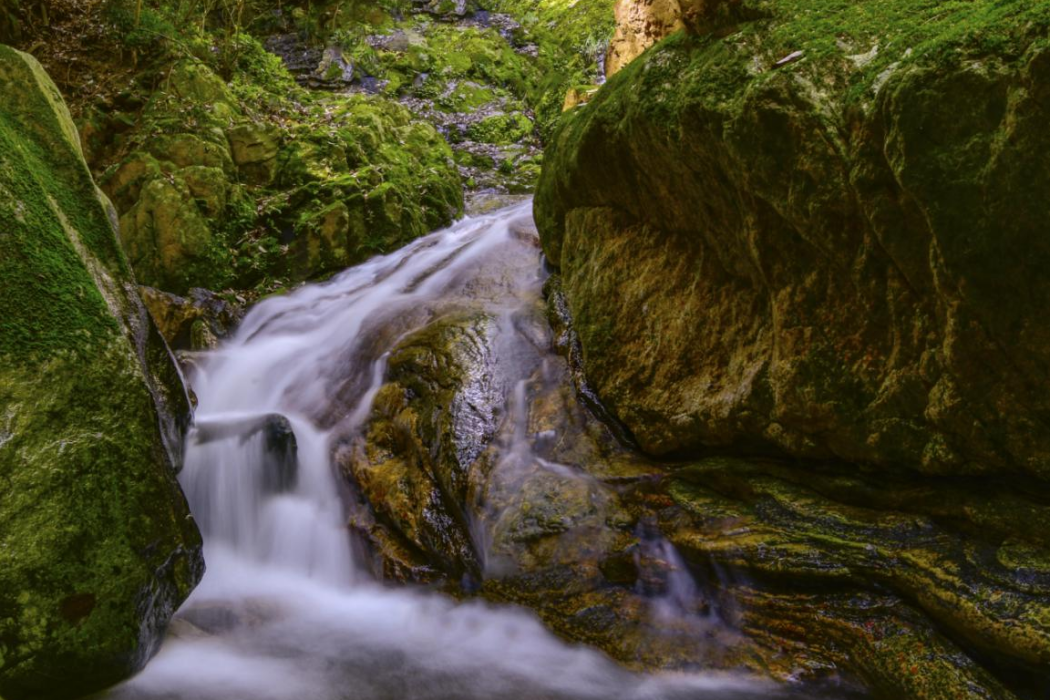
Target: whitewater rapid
<point>286,611</point>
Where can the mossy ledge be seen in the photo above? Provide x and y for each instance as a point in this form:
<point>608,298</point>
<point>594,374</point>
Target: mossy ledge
<point>97,546</point>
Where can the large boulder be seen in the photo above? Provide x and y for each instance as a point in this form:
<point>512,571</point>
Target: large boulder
<point>97,546</point>
<point>792,240</point>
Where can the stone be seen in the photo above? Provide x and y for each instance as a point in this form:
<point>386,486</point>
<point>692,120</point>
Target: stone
<point>880,303</point>
<point>803,539</point>
<point>97,545</point>
<point>167,238</point>
<point>639,25</point>
<point>209,188</point>
<point>334,69</point>
<point>254,148</point>
<point>185,150</point>
<point>194,83</point>
<point>197,322</point>
<point>830,273</point>
<point>578,96</point>
<point>123,182</point>
<point>281,456</point>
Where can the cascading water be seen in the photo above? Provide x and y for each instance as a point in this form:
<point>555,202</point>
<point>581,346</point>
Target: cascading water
<point>284,612</point>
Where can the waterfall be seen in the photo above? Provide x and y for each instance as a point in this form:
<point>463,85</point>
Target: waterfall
<point>285,611</point>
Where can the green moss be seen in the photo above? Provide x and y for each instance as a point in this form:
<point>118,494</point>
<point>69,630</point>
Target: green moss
<point>848,48</point>
<point>81,520</point>
<point>96,549</point>
<point>571,37</point>
<point>502,129</point>
<point>45,192</point>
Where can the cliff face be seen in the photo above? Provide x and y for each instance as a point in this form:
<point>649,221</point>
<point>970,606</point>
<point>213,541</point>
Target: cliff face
<point>818,233</point>
<point>97,546</point>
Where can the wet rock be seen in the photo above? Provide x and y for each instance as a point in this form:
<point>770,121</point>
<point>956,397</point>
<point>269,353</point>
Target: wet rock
<point>422,490</point>
<point>799,541</point>
<point>196,322</point>
<point>97,545</point>
<point>512,495</point>
<point>281,450</point>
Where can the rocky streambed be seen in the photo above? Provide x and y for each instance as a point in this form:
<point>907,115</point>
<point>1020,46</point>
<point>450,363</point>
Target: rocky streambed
<point>419,397</point>
<point>437,396</point>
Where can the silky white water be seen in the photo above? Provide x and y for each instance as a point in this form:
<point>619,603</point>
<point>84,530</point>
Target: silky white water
<point>284,611</point>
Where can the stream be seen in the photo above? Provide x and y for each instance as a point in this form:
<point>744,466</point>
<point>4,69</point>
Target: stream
<point>288,608</point>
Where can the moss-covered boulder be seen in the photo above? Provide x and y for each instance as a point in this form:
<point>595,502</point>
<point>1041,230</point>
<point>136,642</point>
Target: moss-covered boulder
<point>97,547</point>
<point>168,238</point>
<point>819,233</point>
<point>254,148</point>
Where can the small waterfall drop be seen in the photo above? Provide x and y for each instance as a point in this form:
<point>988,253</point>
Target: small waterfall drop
<point>284,612</point>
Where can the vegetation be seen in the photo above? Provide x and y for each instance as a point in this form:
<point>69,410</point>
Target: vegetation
<point>571,38</point>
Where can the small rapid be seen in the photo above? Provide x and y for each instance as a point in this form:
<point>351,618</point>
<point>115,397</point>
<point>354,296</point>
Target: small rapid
<point>287,608</point>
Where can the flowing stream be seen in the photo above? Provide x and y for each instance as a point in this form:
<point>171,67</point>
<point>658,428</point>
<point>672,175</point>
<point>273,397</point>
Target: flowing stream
<point>287,610</point>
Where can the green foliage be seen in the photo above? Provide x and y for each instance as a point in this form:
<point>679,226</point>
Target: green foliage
<point>572,37</point>
<point>139,26</point>
<point>12,16</point>
<point>502,129</point>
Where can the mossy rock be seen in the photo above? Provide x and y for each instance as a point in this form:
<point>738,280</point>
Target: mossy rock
<point>502,129</point>
<point>123,182</point>
<point>97,546</point>
<point>194,83</point>
<point>168,238</point>
<point>881,302</point>
<point>254,148</point>
<point>187,150</point>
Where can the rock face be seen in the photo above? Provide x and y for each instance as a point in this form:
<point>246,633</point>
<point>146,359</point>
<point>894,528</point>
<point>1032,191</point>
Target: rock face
<point>775,237</point>
<point>837,259</point>
<point>97,546</point>
<point>477,467</point>
<point>639,25</point>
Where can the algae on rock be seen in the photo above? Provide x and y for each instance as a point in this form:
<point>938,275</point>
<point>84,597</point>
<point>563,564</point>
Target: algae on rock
<point>97,546</point>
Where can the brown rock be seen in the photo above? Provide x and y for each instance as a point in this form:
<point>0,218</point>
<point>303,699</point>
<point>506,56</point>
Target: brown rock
<point>639,25</point>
